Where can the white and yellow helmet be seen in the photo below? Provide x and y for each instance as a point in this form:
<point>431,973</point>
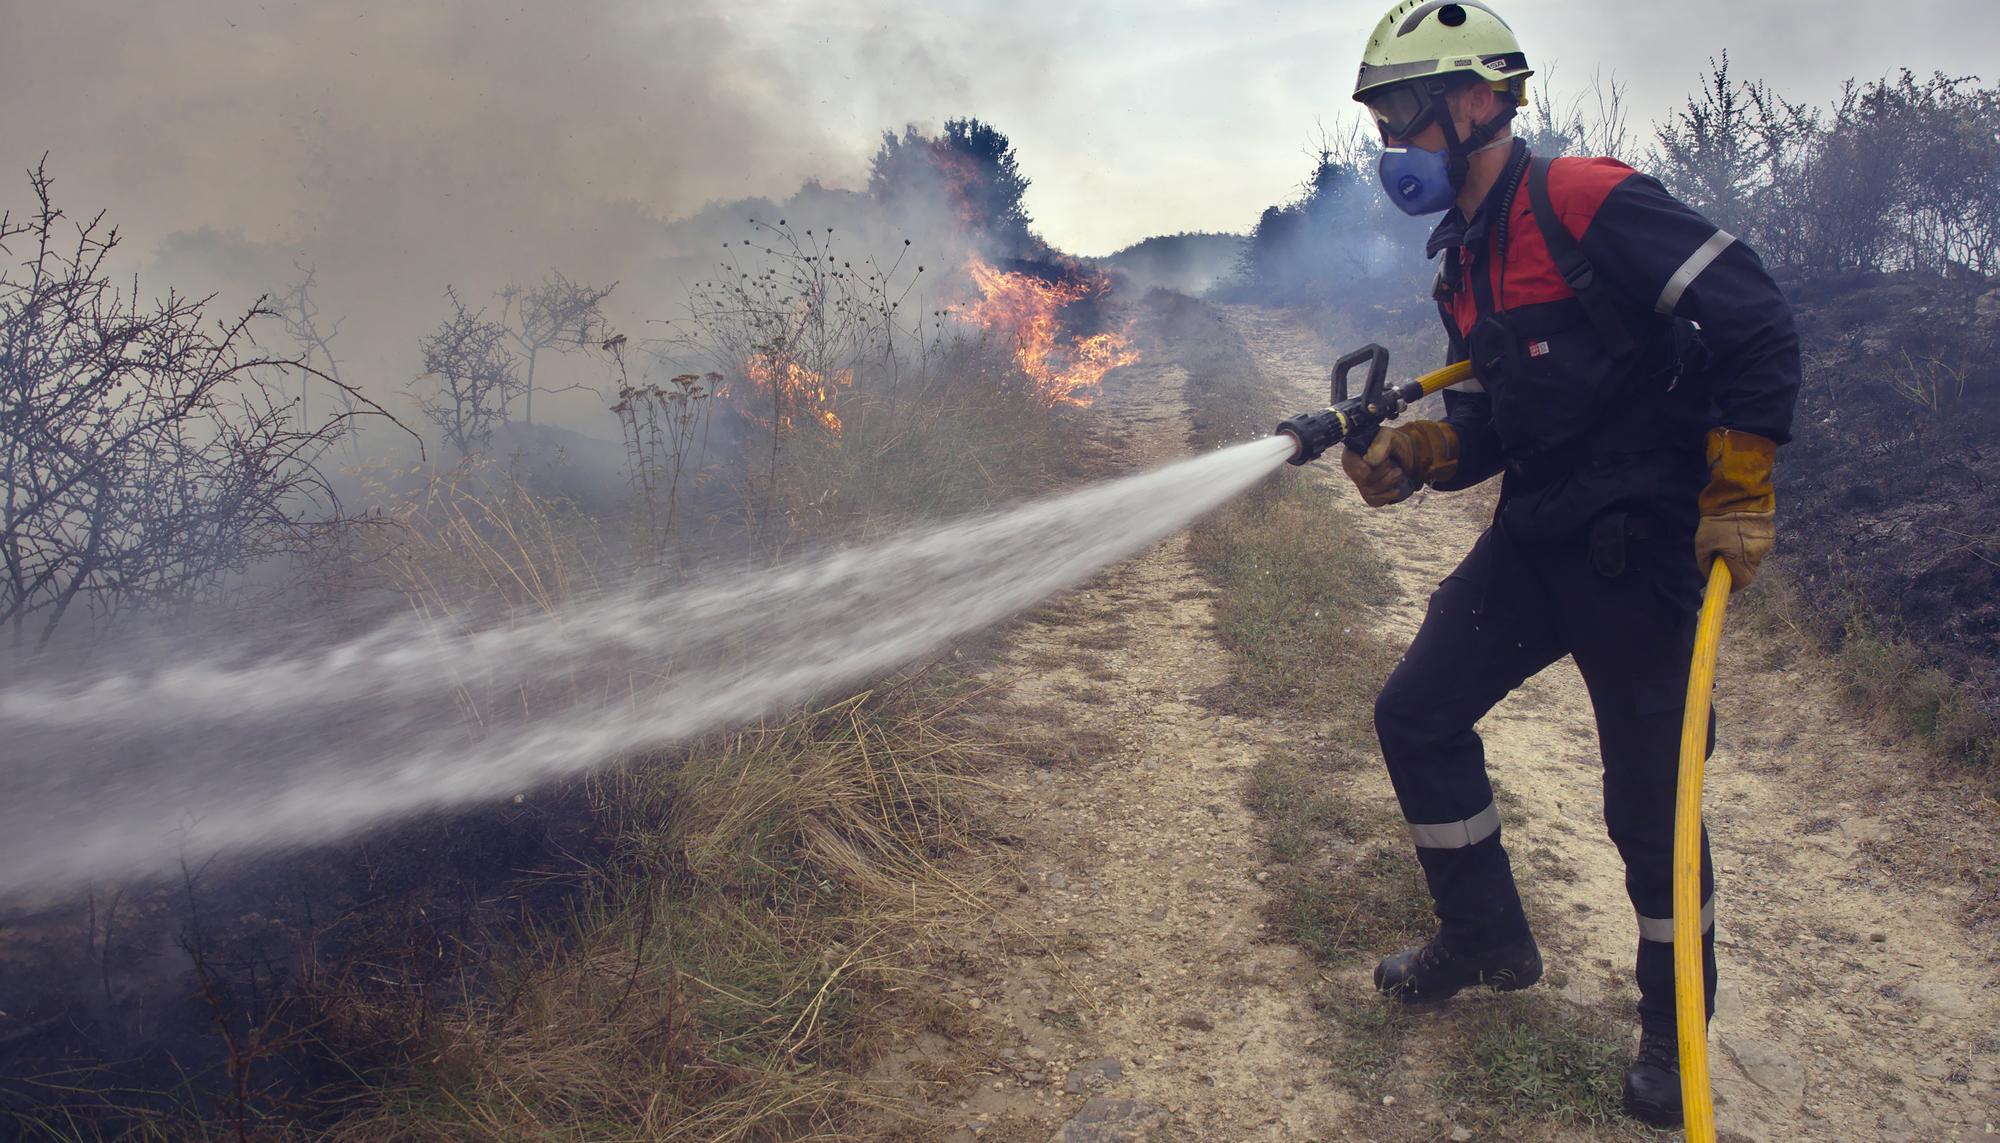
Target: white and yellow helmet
<point>1423,38</point>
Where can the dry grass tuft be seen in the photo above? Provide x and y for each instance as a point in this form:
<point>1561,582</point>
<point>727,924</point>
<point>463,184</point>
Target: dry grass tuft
<point>730,973</point>
<point>1884,677</point>
<point>474,536</point>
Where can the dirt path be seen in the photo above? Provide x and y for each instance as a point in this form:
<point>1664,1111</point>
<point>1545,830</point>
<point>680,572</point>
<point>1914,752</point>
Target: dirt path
<point>1853,1004</point>
<point>1136,936</point>
<point>1129,990</point>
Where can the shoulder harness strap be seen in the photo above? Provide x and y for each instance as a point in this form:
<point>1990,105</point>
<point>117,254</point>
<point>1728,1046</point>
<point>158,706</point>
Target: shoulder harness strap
<point>1442,290</point>
<point>1594,295</point>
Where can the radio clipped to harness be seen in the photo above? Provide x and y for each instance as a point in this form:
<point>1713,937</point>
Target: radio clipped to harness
<point>1354,420</point>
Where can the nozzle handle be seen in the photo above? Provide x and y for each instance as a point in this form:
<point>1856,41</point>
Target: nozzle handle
<point>1378,373</point>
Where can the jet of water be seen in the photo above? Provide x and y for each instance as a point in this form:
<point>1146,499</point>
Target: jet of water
<point>124,772</point>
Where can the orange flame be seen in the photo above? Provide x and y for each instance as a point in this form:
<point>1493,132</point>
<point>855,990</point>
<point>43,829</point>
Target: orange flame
<point>800,392</point>
<point>1065,370</point>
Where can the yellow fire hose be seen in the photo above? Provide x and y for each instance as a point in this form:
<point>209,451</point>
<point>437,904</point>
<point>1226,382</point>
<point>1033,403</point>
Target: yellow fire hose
<point>1690,993</point>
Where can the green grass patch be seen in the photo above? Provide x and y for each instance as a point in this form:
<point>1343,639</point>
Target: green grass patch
<point>1296,580</point>
<point>1354,903</point>
<point>1294,574</point>
<point>1368,1036</point>
<point>1536,1059</point>
<point>1299,805</point>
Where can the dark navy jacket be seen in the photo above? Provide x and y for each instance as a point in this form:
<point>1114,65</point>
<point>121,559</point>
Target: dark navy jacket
<point>1575,428</point>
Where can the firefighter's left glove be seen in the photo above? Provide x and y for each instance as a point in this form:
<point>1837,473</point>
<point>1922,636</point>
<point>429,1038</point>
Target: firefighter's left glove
<point>1738,508</point>
<point>1402,459</point>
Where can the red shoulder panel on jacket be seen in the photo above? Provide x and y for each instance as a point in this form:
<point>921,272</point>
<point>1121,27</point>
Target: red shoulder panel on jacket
<point>1578,186</point>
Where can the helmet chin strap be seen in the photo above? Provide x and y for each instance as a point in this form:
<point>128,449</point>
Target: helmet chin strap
<point>1459,152</point>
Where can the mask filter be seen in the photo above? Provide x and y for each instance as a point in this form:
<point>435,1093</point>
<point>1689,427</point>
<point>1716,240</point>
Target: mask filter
<point>1418,181</point>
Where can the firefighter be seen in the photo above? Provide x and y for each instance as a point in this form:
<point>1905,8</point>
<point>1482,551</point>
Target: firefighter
<point>1635,370</point>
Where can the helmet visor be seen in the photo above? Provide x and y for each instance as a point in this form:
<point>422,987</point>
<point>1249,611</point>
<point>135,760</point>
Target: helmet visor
<point>1401,111</point>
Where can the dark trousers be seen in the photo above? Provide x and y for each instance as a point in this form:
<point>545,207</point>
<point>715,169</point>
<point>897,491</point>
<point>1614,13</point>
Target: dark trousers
<point>1621,597</point>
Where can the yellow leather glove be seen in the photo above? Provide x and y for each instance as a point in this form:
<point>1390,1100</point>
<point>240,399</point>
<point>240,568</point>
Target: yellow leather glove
<point>1738,508</point>
<point>1402,459</point>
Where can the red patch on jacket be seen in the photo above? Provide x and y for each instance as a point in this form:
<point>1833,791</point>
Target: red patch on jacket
<point>1577,189</point>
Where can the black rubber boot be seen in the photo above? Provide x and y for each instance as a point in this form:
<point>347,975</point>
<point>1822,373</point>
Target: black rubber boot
<point>1653,1082</point>
<point>1434,972</point>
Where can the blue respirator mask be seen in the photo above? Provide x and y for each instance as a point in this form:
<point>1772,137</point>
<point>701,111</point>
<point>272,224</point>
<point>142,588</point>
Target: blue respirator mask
<point>1418,181</point>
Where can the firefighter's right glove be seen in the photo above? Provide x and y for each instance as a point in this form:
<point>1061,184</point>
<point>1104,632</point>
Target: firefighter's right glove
<point>1738,508</point>
<point>1402,459</point>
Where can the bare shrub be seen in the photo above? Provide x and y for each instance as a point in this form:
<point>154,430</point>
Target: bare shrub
<point>557,314</point>
<point>1591,122</point>
<point>299,310</point>
<point>788,321</point>
<point>474,376</point>
<point>1936,145</point>
<point>1900,174</point>
<point>1725,152</point>
<point>1339,241</point>
<point>148,457</point>
<point>661,426</point>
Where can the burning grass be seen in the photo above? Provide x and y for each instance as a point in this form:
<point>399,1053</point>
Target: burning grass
<point>1026,311</point>
<point>793,392</point>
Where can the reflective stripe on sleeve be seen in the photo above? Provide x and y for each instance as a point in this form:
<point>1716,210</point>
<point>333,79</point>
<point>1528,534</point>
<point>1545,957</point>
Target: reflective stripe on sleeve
<point>1458,835</point>
<point>1661,929</point>
<point>1691,269</point>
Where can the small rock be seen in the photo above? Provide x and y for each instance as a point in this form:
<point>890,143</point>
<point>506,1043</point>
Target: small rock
<point>1096,1074</point>
<point>1388,1101</point>
<point>1058,880</point>
<point>1461,1135</point>
<point>1198,1021</point>
<point>1939,995</point>
<point>1878,938</point>
<point>1987,309</point>
<point>975,1004</point>
<point>1032,1079</point>
<point>1107,1120</point>
<point>1728,1002</point>
<point>1263,875</point>
<point>1159,912</point>
<point>1769,1067</point>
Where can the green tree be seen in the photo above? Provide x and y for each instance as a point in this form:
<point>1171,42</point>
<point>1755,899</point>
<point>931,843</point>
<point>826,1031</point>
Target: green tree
<point>970,169</point>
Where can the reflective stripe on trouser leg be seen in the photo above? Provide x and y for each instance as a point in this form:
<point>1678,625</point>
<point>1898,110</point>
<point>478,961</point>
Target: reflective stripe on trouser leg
<point>1458,834</point>
<point>1661,929</point>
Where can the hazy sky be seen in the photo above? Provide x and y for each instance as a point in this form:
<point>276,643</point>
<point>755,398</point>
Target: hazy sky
<point>1132,118</point>
<point>400,147</point>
